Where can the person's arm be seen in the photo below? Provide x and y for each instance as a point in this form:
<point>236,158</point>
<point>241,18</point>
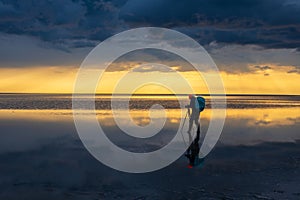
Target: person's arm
<point>190,106</point>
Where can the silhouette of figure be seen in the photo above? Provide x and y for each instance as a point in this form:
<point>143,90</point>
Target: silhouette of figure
<point>192,152</point>
<point>194,116</point>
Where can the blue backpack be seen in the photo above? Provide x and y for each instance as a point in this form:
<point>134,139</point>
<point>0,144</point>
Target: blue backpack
<point>200,103</point>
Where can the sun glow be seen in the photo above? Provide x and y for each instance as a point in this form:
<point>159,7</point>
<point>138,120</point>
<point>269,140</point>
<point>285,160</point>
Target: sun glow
<point>62,79</point>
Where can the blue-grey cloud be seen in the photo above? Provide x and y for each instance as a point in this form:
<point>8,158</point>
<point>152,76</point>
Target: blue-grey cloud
<point>24,51</point>
<point>138,58</point>
<point>69,25</point>
<point>61,22</point>
<point>263,68</point>
<point>229,14</point>
<point>269,23</point>
<point>152,68</point>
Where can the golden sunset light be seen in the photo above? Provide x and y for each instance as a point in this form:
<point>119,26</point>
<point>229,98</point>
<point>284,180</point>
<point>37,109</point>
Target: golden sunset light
<point>61,80</point>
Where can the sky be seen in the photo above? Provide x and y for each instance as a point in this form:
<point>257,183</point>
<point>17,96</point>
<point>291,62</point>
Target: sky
<point>254,43</point>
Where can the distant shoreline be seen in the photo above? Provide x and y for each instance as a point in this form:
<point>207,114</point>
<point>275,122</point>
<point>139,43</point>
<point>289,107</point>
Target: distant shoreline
<point>123,94</point>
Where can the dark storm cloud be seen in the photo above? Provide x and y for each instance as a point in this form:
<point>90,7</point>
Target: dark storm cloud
<point>62,22</point>
<point>32,31</point>
<point>80,23</point>
<point>219,13</point>
<point>5,9</point>
<point>269,23</point>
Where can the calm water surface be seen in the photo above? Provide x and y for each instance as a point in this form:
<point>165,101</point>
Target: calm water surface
<point>41,155</point>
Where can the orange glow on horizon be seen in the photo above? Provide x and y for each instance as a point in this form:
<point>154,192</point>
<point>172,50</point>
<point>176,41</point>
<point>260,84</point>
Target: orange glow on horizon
<point>61,80</point>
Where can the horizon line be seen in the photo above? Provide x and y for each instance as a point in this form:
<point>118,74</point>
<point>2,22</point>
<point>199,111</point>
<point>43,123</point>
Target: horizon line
<point>147,94</point>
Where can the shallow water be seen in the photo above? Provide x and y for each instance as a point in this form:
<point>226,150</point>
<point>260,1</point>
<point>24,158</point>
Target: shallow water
<point>42,157</point>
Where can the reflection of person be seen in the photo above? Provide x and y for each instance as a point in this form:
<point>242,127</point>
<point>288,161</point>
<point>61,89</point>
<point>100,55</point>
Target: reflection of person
<point>193,150</point>
<point>194,116</point>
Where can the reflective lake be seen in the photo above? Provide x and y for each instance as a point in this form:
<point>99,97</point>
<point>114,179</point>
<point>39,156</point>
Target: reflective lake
<point>42,157</point>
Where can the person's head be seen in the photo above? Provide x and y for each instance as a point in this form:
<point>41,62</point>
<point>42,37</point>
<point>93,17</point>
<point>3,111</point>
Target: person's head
<point>191,96</point>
